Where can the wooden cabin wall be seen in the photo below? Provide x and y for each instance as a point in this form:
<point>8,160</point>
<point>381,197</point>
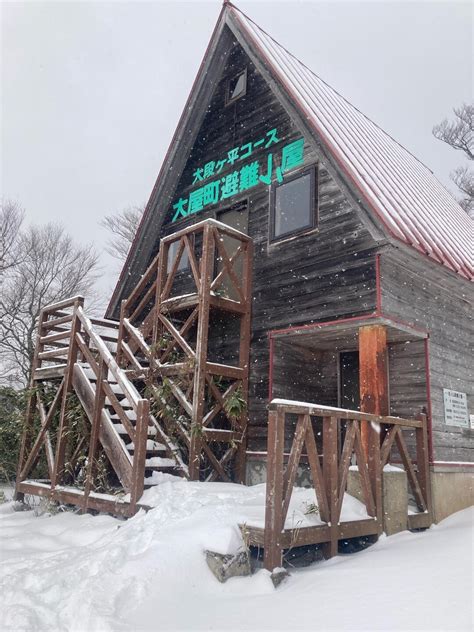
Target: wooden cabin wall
<point>320,276</point>
<point>306,375</point>
<point>407,381</point>
<point>432,298</point>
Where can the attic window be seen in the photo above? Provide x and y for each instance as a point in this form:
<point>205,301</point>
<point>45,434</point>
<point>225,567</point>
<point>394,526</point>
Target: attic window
<point>236,87</point>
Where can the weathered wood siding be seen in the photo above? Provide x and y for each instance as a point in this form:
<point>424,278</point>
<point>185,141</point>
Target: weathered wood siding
<point>324,275</point>
<point>432,298</point>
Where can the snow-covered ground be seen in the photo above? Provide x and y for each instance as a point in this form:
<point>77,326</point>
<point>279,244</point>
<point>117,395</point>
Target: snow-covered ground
<point>69,572</point>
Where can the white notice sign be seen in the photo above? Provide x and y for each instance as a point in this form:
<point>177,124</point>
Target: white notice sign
<point>455,408</point>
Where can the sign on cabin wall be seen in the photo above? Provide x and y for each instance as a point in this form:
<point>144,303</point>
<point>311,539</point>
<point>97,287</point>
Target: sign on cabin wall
<point>246,175</point>
<point>455,408</point>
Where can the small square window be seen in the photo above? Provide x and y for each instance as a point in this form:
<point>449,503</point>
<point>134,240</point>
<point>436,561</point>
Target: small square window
<point>236,87</point>
<point>294,205</point>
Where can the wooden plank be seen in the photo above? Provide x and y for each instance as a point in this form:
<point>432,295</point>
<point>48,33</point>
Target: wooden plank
<point>293,461</point>
<point>139,455</point>
<point>366,486</point>
<point>420,520</point>
<point>95,430</point>
<point>387,445</point>
<point>49,372</point>
<point>274,491</point>
<point>226,370</point>
<point>422,461</point>
<point>73,497</point>
<point>344,466</point>
<point>330,454</point>
<point>207,265</point>
<point>317,474</point>
<point>410,470</point>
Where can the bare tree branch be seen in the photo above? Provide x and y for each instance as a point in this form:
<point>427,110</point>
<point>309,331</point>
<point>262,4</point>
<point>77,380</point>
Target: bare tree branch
<point>11,218</point>
<point>50,267</point>
<point>123,227</point>
<point>459,134</point>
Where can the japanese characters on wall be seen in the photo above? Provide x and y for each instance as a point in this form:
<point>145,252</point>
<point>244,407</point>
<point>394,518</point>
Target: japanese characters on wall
<point>455,408</point>
<point>211,188</point>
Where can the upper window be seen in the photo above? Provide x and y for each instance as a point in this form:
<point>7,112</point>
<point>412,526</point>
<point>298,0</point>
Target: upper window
<point>183,261</point>
<point>294,205</point>
<point>236,87</point>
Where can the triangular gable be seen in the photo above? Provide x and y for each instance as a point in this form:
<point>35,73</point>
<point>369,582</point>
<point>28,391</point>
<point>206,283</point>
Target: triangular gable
<point>398,190</point>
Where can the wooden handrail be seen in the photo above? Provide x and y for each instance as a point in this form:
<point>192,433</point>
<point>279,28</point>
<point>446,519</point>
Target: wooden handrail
<point>67,302</point>
<point>304,408</point>
<point>128,389</point>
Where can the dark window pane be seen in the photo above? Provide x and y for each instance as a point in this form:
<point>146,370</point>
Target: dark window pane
<point>293,206</point>
<point>237,86</point>
<point>184,260</point>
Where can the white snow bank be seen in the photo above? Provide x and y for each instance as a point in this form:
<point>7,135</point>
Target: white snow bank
<point>83,573</point>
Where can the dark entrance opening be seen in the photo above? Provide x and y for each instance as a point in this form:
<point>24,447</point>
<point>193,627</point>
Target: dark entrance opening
<point>349,391</point>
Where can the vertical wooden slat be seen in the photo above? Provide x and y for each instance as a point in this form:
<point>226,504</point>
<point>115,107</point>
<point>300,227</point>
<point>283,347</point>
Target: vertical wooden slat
<point>207,268</point>
<point>330,454</point>
<point>244,355</point>
<point>293,461</point>
<point>95,429</point>
<point>121,332</point>
<point>274,491</point>
<point>68,374</point>
<point>422,459</point>
<point>139,455</point>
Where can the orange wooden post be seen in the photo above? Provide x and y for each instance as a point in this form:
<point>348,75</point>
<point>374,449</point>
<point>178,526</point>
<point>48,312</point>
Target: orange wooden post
<point>373,399</point>
<point>274,491</point>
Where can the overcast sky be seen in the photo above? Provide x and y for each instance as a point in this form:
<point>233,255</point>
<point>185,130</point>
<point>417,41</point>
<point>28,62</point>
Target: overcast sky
<point>92,92</point>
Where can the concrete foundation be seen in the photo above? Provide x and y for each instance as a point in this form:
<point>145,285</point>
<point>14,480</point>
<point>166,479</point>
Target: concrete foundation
<point>451,491</point>
<point>395,497</point>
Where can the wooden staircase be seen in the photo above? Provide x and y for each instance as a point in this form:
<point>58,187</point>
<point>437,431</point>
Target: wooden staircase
<point>127,376</point>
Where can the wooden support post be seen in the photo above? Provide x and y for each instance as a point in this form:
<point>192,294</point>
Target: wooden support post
<point>95,429</point>
<point>68,374</point>
<point>422,460</point>
<point>139,455</point>
<point>274,522</point>
<point>121,333</point>
<point>330,474</point>
<point>207,269</point>
<point>244,355</point>
<point>373,399</point>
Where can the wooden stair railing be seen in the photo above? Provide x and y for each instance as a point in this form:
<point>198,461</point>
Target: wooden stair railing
<point>330,477</point>
<point>92,372</point>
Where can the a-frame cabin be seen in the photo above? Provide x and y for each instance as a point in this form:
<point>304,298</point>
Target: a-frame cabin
<point>291,252</point>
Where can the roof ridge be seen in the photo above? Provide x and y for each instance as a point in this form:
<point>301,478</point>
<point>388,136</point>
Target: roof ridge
<point>233,6</point>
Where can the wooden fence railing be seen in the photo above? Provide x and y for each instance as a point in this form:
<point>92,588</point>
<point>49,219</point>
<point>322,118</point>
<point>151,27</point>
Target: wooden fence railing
<point>329,466</point>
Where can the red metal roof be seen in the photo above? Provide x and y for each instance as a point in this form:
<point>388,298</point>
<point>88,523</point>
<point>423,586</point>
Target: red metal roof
<point>405,195</point>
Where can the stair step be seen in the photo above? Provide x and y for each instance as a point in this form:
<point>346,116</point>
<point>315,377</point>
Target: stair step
<point>159,462</point>
<point>120,428</point>
<point>151,446</point>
